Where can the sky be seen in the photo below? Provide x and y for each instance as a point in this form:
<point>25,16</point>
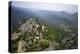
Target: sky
<point>46,6</point>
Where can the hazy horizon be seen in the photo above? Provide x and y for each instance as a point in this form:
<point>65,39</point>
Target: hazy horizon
<point>46,6</point>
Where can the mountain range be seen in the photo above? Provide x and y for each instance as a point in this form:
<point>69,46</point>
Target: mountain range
<point>50,17</point>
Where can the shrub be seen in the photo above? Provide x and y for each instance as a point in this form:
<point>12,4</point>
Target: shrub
<point>44,43</point>
<point>18,30</point>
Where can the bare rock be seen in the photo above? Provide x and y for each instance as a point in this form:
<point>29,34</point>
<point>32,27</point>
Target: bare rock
<point>21,46</point>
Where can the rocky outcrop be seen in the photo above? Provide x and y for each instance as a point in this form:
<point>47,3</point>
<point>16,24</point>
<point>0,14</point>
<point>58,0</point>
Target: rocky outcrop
<point>29,36</point>
<point>22,46</point>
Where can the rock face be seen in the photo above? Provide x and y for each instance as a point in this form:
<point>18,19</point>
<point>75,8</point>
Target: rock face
<point>26,27</point>
<point>15,35</point>
<point>70,41</point>
<point>21,46</point>
<point>29,36</point>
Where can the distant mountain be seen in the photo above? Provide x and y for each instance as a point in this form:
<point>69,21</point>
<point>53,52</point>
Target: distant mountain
<point>18,14</point>
<point>54,17</point>
<point>72,17</point>
<point>50,17</point>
